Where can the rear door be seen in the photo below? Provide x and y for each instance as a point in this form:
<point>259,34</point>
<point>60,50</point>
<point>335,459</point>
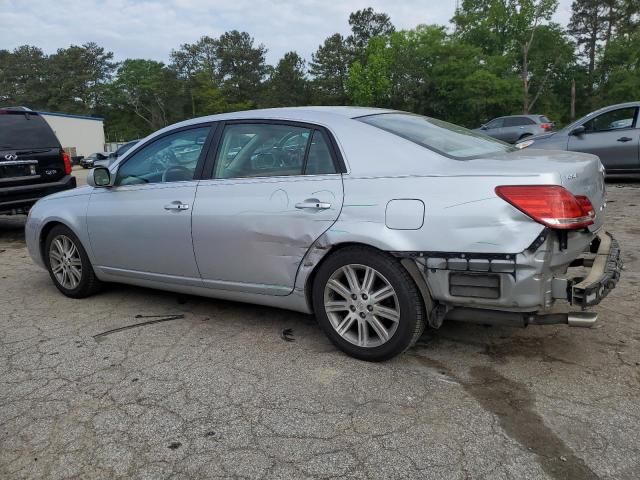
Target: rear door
<point>613,136</point>
<point>30,153</point>
<point>516,127</point>
<point>275,187</point>
<point>494,128</point>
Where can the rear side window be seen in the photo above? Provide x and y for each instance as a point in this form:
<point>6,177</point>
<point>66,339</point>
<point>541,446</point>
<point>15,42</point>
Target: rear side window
<point>25,130</point>
<point>319,160</point>
<point>517,121</point>
<point>497,123</point>
<point>442,137</point>
<point>261,150</point>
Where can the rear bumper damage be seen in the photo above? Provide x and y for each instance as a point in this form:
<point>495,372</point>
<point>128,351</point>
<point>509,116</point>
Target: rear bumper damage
<point>528,288</point>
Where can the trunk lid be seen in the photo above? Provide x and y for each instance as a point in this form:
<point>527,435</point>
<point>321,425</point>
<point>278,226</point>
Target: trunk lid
<point>581,174</point>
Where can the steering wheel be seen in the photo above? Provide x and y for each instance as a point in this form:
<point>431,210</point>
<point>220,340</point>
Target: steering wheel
<point>180,168</point>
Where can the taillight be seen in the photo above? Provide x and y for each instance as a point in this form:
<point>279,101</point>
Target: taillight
<point>67,163</point>
<point>546,126</point>
<point>551,205</point>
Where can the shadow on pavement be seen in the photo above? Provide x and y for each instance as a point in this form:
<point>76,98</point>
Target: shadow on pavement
<point>12,230</point>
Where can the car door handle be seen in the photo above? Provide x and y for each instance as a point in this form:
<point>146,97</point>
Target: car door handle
<point>313,204</point>
<point>177,206</point>
<point>625,139</point>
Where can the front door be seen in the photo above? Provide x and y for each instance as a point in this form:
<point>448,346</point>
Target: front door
<point>275,189</point>
<point>612,136</point>
<point>141,227</point>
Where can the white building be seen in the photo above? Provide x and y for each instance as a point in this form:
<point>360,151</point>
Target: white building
<point>78,134</point>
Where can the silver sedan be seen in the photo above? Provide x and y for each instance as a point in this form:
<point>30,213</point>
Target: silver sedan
<point>379,222</point>
<point>612,133</point>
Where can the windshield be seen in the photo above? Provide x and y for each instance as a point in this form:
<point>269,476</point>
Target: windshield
<point>441,137</point>
<point>25,130</point>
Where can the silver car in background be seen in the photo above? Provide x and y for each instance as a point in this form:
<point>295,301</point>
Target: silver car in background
<point>612,133</point>
<point>514,128</point>
<point>379,222</point>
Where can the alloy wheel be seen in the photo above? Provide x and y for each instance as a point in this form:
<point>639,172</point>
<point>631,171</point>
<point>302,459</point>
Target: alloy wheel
<point>65,262</point>
<point>361,305</point>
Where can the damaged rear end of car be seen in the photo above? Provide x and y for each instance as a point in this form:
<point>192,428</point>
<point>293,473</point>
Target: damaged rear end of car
<point>510,237</point>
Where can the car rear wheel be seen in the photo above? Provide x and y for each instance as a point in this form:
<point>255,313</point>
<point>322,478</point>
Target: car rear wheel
<point>367,304</point>
<point>69,265</point>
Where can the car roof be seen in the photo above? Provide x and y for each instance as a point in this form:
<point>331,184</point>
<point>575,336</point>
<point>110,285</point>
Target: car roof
<point>312,114</point>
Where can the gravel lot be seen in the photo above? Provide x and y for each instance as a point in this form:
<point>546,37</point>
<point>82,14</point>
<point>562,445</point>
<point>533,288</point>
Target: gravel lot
<point>219,393</point>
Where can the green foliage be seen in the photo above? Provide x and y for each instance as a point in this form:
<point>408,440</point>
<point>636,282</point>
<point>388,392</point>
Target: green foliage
<point>501,57</point>
<point>288,84</point>
<point>330,67</point>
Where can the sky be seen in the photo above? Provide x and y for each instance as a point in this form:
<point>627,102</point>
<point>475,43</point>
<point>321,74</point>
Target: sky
<point>151,29</point>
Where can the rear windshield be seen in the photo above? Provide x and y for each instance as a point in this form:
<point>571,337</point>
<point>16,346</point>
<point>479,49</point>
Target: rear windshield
<point>442,137</point>
<point>544,119</point>
<point>25,130</point>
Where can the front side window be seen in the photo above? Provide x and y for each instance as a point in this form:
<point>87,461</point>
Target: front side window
<point>442,137</point>
<point>261,150</point>
<point>613,120</point>
<point>171,158</point>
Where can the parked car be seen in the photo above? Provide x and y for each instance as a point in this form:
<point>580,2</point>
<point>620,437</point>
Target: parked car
<point>32,162</point>
<point>383,223</point>
<point>612,133</point>
<point>88,161</point>
<point>516,127</point>
<point>114,156</point>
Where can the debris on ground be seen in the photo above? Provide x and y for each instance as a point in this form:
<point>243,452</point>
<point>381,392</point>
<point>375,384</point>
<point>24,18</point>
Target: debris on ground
<point>287,335</point>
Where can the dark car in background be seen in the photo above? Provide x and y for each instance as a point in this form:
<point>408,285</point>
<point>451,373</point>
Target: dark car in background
<point>113,156</point>
<point>32,161</point>
<point>516,127</point>
<point>612,133</point>
<point>89,160</point>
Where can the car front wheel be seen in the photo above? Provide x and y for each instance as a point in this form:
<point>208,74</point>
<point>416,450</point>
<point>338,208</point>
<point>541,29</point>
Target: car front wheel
<point>368,304</point>
<point>68,264</point>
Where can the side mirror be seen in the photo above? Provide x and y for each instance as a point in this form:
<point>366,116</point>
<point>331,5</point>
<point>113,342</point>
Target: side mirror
<point>578,130</point>
<point>99,177</point>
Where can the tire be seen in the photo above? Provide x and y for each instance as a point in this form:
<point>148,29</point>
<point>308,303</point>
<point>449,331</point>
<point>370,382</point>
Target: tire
<point>372,330</point>
<point>78,285</point>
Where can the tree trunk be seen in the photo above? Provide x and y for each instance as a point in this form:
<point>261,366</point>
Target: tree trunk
<point>573,99</point>
<point>525,79</point>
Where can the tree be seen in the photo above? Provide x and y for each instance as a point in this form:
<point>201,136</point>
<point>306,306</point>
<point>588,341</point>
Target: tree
<point>591,21</point>
<point>366,24</point>
<point>330,68</point>
<point>23,79</point>
<point>288,85</point>
<point>505,28</point>
<point>430,72</point>
<point>148,88</point>
<point>241,68</point>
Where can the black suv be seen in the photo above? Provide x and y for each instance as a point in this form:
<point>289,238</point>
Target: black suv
<point>32,162</point>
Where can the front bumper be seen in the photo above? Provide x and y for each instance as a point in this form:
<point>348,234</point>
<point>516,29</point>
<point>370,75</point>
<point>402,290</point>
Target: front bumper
<point>605,267</point>
<point>20,198</point>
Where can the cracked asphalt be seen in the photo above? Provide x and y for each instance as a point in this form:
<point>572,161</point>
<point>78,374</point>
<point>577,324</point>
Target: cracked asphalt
<point>216,392</point>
